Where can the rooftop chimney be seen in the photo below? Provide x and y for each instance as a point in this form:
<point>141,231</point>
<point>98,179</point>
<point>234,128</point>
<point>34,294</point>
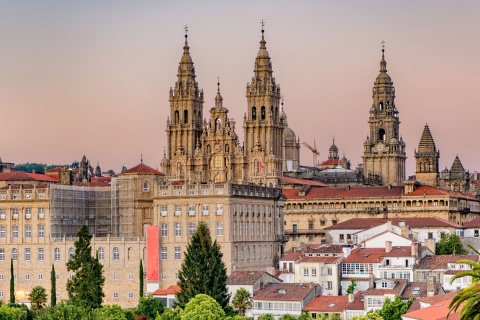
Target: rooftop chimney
<point>388,246</point>
<point>431,284</point>
<point>351,297</point>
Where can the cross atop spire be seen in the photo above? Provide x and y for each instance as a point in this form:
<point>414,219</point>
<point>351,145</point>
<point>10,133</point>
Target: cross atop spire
<point>282,101</point>
<point>383,49</point>
<point>218,84</point>
<point>186,31</point>
<point>262,23</point>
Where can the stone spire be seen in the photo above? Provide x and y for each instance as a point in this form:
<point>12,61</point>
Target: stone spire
<point>218,98</point>
<point>426,141</point>
<point>457,166</point>
<point>426,158</point>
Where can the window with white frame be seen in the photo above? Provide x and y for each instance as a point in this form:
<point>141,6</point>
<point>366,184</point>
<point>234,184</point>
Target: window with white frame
<point>164,277</point>
<point>40,277</point>
<point>314,272</point>
<point>219,228</point>
<point>56,254</point>
<point>116,254</point>
<point>15,213</point>
<point>305,272</point>
<point>205,209</point>
<point>27,254</point>
<point>146,186</point>
<point>2,254</point>
<point>329,271</point>
<point>163,210</point>
<point>163,253</point>
<point>3,216</point>
<point>41,213</point>
<point>28,213</point>
<point>178,253</point>
<point>329,285</point>
<point>130,294</point>
<point>164,229</point>
<point>28,231</point>
<point>178,229</point>
<point>375,302</point>
<point>41,231</point>
<point>219,209</point>
<point>27,276</point>
<point>115,294</point>
<point>101,254</point>
<point>178,210</point>
<point>2,232</point>
<point>130,277</point>
<point>191,210</point>
<point>191,228</point>
<point>115,276</point>
<point>71,253</point>
<point>15,232</point>
<point>40,254</point>
<point>14,254</point>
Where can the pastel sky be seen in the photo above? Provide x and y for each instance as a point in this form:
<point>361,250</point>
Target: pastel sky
<point>92,77</point>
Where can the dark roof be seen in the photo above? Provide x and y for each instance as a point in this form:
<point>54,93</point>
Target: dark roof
<point>246,277</point>
<point>285,291</point>
<point>325,248</point>
<point>298,181</point>
<point>441,261</point>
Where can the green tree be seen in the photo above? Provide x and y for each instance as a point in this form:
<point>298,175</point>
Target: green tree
<point>12,283</point>
<point>85,288</point>
<point>202,307</point>
<point>63,311</point>
<point>203,270</point>
<point>53,289</point>
<point>109,312</point>
<point>149,307</point>
<point>140,278</point>
<point>12,313</point>
<point>449,244</point>
<point>468,299</point>
<point>369,316</point>
<point>242,301</point>
<point>352,286</point>
<point>38,298</point>
<point>288,317</point>
<point>267,316</point>
<point>394,309</point>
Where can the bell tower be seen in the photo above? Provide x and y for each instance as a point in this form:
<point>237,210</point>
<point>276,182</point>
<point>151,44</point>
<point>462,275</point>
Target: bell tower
<point>184,126</point>
<point>263,126</point>
<point>384,150</point>
<point>426,158</point>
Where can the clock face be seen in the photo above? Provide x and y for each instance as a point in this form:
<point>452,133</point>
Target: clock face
<point>380,147</point>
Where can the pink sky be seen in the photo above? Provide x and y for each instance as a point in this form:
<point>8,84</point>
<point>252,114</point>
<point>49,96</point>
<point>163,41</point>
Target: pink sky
<point>93,78</point>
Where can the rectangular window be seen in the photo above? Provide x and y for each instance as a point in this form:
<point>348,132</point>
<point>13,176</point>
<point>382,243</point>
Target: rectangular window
<point>15,232</point>
<point>41,213</point>
<point>310,225</point>
<point>329,271</point>
<point>115,276</point>
<point>314,272</point>
<point>164,277</point>
<point>28,213</point>
<point>130,277</point>
<point>28,231</point>
<point>329,285</point>
<point>178,253</point>
<point>163,254</point>
<point>475,233</point>
<point>164,230</point>
<point>2,254</point>
<point>2,232</point>
<point>27,254</point>
<point>322,223</point>
<point>163,210</point>
<point>115,294</point>
<point>178,229</point>
<point>130,294</point>
<point>219,228</point>
<point>41,231</point>
<point>40,254</point>
<point>305,272</point>
<point>219,209</point>
<point>15,213</point>
<point>191,228</point>
<point>3,216</point>
<point>27,276</point>
<point>205,209</point>
<point>430,235</point>
<point>178,210</point>
<point>191,210</point>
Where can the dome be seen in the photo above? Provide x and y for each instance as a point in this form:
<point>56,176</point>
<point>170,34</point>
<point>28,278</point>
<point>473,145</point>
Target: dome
<point>333,147</point>
<point>288,134</point>
<point>383,78</point>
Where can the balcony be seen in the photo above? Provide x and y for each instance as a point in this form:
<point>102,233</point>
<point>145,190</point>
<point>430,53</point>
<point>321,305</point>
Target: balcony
<point>2,216</point>
<point>28,216</point>
<point>15,216</point>
<point>41,215</point>
<point>304,231</point>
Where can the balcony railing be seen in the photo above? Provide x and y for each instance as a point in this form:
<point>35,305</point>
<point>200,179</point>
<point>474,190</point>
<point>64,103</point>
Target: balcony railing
<point>304,231</point>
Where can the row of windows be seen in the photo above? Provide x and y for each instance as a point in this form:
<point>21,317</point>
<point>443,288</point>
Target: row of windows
<point>246,228</point>
<point>191,229</point>
<point>255,253</point>
<point>164,253</point>
<point>56,254</point>
<point>28,196</point>
<point>116,295</point>
<point>28,213</point>
<point>177,210</point>
<point>357,268</point>
<point>164,277</point>
<point>306,272</point>
<point>278,306</point>
<point>57,276</point>
<point>28,231</point>
<point>364,205</point>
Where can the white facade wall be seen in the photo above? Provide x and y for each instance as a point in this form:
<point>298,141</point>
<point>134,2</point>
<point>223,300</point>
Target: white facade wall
<point>379,241</point>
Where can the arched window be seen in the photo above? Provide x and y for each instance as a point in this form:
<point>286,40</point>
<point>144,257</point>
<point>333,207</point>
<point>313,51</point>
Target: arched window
<point>177,117</point>
<point>116,254</point>
<point>381,134</point>
<point>185,116</point>
<point>387,105</point>
<point>56,254</point>
<point>14,254</point>
<point>146,187</point>
<point>218,124</point>
<point>380,106</point>
<point>101,254</point>
<point>254,113</point>
<point>216,161</point>
<point>71,253</point>
<point>218,179</point>
<point>263,113</point>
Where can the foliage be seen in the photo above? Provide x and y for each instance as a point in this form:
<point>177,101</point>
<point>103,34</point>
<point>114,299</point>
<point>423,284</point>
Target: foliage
<point>29,314</point>
<point>394,309</point>
<point>140,278</point>
<point>449,244</point>
<point>288,317</point>
<point>170,314</point>
<point>12,313</point>
<point>85,288</point>
<point>38,298</point>
<point>30,167</point>
<point>109,312</point>
<point>203,270</point>
<point>53,290</point>
<point>306,316</point>
<point>12,283</point>
<point>149,307</point>
<point>267,316</point>
<point>369,316</point>
<point>352,286</point>
<point>129,314</point>
<point>242,301</point>
<point>467,299</point>
<point>63,311</point>
<point>202,307</point>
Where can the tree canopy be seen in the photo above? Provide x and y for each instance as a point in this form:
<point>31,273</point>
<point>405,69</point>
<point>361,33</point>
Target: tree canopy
<point>450,243</point>
<point>394,309</point>
<point>242,301</point>
<point>203,307</point>
<point>202,270</point>
<point>38,298</point>
<point>85,288</point>
<point>149,307</point>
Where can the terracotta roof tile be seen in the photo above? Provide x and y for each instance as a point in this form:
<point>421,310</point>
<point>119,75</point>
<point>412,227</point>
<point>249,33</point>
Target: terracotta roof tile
<point>398,289</point>
<point>142,169</point>
<point>437,311</point>
<point>324,248</point>
<point>246,277</point>
<point>328,304</point>
<point>441,261</point>
<point>421,191</point>
<point>343,193</point>
<point>474,223</point>
<point>438,298</point>
<point>367,223</point>
<point>330,162</point>
<point>376,255</point>
<point>285,291</point>
<point>326,260</point>
<point>292,256</point>
<point>170,290</point>
<point>358,303</point>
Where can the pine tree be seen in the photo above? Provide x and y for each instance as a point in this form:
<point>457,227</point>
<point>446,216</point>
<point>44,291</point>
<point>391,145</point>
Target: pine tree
<point>140,278</point>
<point>85,288</point>
<point>203,270</point>
<point>53,290</point>
<point>12,283</point>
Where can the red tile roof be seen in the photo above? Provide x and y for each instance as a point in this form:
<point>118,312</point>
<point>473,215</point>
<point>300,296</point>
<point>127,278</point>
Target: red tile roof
<point>474,223</point>
<point>358,303</point>
<point>285,291</point>
<point>437,311</point>
<point>142,169</point>
<point>290,180</point>
<point>345,193</point>
<point>438,298</point>
<point>25,176</point>
<point>292,256</point>
<point>324,248</point>
<point>398,289</point>
<point>246,277</point>
<point>421,191</point>
<point>328,304</point>
<point>441,261</point>
<point>330,162</point>
<point>170,290</point>
<point>326,260</point>
<point>367,223</point>
<point>376,255</point>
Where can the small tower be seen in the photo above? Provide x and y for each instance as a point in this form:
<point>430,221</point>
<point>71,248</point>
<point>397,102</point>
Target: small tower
<point>426,158</point>
<point>333,151</point>
<point>384,152</point>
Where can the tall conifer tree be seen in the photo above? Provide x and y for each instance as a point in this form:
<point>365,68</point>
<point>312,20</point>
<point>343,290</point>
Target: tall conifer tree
<point>53,290</point>
<point>203,270</point>
<point>140,278</point>
<point>85,289</point>
<point>12,283</point>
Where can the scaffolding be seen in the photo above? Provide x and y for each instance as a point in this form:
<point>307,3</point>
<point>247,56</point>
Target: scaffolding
<point>107,211</point>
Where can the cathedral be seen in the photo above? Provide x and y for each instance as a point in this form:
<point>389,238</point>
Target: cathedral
<point>209,150</point>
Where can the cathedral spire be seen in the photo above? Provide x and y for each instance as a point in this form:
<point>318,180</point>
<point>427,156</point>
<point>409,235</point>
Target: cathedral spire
<point>427,144</point>
<point>218,98</point>
<point>383,63</point>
